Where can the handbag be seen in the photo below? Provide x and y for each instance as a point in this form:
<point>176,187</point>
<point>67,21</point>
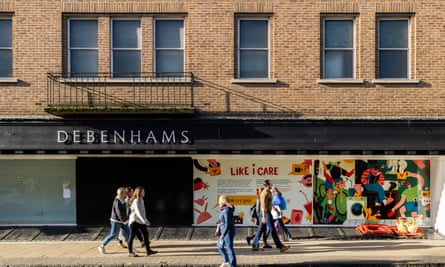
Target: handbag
<point>278,227</point>
<point>218,230</point>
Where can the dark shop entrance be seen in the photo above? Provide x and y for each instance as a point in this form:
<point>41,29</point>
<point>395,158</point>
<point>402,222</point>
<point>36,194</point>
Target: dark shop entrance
<point>168,183</point>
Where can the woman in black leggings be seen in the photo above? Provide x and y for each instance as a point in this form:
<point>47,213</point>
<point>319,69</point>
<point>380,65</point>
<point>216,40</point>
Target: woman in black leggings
<point>138,221</point>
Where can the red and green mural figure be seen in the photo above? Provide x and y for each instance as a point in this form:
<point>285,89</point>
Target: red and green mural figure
<point>358,191</point>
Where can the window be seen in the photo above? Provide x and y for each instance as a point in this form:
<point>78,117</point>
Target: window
<point>169,47</point>
<point>393,48</point>
<point>126,47</point>
<point>338,49</point>
<point>253,48</point>
<point>5,48</point>
<point>43,187</point>
<point>82,47</point>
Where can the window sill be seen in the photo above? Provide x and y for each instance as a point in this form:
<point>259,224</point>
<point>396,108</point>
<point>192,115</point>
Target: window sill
<point>395,81</point>
<point>9,80</point>
<point>126,80</point>
<point>255,80</point>
<point>340,81</point>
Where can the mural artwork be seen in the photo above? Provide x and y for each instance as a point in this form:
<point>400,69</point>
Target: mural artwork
<point>323,191</point>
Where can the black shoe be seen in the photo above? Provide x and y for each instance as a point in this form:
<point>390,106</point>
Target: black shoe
<point>248,239</point>
<point>151,252</point>
<point>267,246</point>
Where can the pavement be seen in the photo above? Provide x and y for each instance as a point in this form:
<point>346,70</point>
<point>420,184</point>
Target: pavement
<point>196,246</point>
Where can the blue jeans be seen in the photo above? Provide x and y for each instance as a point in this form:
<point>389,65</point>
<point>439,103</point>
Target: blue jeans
<point>226,249</point>
<point>115,227</point>
<point>378,189</point>
<point>284,228</point>
<point>270,229</point>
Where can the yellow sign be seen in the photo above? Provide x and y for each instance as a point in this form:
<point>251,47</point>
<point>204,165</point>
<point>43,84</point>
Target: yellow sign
<point>240,200</point>
<point>299,169</point>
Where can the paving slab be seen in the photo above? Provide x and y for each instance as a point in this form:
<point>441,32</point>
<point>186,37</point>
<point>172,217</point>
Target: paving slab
<point>87,233</point>
<point>312,253</point>
<point>196,246</point>
<point>22,234</point>
<point>53,233</point>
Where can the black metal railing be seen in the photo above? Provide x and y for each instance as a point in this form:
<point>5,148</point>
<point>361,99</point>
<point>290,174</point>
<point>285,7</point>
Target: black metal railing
<point>119,91</point>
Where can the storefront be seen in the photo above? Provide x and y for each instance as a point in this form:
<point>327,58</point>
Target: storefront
<point>66,172</point>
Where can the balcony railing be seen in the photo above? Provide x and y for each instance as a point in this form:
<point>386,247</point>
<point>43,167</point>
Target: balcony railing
<point>83,93</point>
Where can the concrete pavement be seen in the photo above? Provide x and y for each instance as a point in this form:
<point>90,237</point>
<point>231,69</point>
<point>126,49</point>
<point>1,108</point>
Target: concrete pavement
<point>402,252</point>
<point>39,247</point>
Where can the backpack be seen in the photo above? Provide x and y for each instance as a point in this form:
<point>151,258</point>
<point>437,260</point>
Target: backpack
<point>254,210</point>
<point>283,203</point>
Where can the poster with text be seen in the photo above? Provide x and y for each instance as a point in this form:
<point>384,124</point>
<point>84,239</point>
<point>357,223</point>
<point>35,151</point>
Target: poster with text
<point>241,179</point>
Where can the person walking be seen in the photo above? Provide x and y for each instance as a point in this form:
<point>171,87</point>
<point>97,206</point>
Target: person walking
<point>128,192</point>
<point>118,220</point>
<point>277,212</point>
<point>266,219</point>
<point>254,211</point>
<point>121,235</point>
<point>227,232</point>
<point>138,221</point>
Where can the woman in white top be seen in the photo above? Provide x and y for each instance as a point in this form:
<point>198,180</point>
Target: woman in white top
<point>138,221</point>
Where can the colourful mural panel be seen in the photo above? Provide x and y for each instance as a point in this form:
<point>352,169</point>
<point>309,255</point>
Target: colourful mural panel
<point>352,192</point>
<point>323,191</point>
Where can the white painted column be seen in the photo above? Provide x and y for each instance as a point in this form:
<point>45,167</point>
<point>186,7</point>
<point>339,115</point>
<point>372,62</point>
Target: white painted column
<point>438,195</point>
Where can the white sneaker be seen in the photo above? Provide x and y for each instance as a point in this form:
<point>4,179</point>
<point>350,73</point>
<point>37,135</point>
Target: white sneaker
<point>101,249</point>
<point>224,264</point>
<point>135,250</point>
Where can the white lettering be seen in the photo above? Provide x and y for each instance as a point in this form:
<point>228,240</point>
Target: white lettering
<point>90,136</point>
<point>133,135</point>
<point>76,136</point>
<point>185,138</point>
<point>80,136</point>
<point>151,138</point>
<point>104,136</point>
<point>168,139</point>
<point>121,137</point>
<point>62,136</point>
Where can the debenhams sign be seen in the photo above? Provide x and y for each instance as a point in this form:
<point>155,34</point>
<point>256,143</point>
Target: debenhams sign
<point>123,137</point>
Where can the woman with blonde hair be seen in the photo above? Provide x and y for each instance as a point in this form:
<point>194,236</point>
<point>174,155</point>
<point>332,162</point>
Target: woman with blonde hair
<point>118,219</point>
<point>138,221</point>
<point>227,232</point>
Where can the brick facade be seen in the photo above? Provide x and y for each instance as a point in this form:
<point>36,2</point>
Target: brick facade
<point>39,46</point>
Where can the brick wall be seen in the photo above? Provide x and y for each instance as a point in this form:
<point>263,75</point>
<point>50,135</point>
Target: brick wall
<point>39,35</point>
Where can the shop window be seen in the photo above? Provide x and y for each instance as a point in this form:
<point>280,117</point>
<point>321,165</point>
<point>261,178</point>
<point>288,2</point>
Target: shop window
<point>82,47</point>
<point>393,48</point>
<point>338,49</point>
<point>126,47</point>
<point>169,47</point>
<point>253,48</point>
<point>38,191</point>
<point>5,48</point>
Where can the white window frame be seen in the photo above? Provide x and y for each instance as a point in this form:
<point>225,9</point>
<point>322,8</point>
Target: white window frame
<point>407,49</point>
<point>10,49</point>
<point>112,49</point>
<point>239,78</point>
<point>353,48</point>
<point>155,48</point>
<point>70,49</point>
